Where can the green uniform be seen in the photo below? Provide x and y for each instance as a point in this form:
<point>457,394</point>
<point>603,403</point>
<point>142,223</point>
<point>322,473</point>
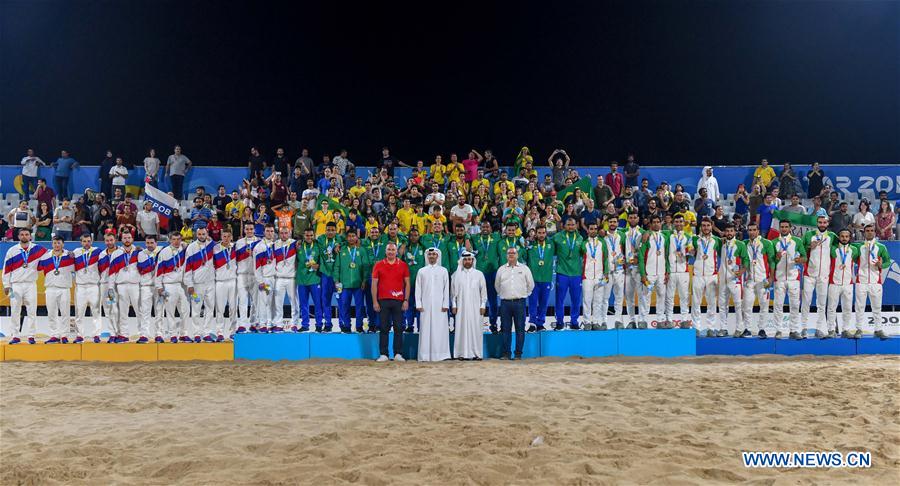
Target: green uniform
<point>766,252</point>
<point>485,249</point>
<point>350,266</point>
<point>400,240</point>
<point>540,260</point>
<point>306,253</point>
<point>454,252</point>
<point>569,251</point>
<point>374,253</point>
<point>327,248</point>
<point>506,243</point>
<point>300,222</point>
<point>809,235</point>
<point>635,247</point>
<point>414,256</point>
<point>698,249</point>
<point>801,250</point>
<point>649,250</point>
<point>440,242</point>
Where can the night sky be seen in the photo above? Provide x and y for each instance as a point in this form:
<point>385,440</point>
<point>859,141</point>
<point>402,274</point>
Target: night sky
<point>676,82</point>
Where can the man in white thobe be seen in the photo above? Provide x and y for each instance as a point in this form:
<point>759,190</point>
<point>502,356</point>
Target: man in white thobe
<point>432,288</point>
<point>468,295</point>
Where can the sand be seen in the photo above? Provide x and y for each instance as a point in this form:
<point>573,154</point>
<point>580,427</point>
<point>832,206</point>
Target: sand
<point>605,421</point>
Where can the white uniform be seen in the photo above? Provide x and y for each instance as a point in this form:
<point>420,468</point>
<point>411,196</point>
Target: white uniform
<point>840,288</point>
<point>731,285</point>
<point>655,268</point>
<point>58,272</point>
<point>869,282</point>
<point>633,285</point>
<point>169,277</point>
<point>108,296</point>
<point>755,288</point>
<point>123,271</point>
<point>704,283</point>
<point>226,288</point>
<point>246,281</point>
<point>87,291</point>
<point>816,276</point>
<point>264,261</point>
<point>787,281</point>
<point>615,261</point>
<point>200,274</point>
<point>149,322</point>
<point>20,276</point>
<point>679,278</point>
<point>593,284</point>
<point>285,272</point>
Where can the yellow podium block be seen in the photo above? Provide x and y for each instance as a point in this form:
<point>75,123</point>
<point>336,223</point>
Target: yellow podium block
<point>196,352</point>
<point>42,352</point>
<point>119,352</point>
<point>3,352</point>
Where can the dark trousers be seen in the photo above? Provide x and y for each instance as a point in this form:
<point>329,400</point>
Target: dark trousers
<point>61,185</point>
<point>411,313</point>
<point>491,299</point>
<point>512,312</point>
<point>29,184</point>
<point>177,186</point>
<point>391,318</point>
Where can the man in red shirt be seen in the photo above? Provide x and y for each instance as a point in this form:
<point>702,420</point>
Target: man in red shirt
<point>614,179</point>
<point>390,287</point>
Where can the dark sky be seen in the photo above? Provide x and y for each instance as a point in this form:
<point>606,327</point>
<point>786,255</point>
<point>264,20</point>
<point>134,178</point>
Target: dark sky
<point>677,82</point>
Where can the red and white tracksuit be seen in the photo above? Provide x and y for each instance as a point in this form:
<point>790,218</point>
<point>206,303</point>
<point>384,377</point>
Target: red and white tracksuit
<point>731,285</point>
<point>87,291</point>
<point>58,272</point>
<point>20,276</point>
<point>869,285</point>
<point>593,284</point>
<point>815,277</point>
<point>123,269</point>
<point>107,287</point>
<point>264,260</point>
<point>755,288</point>
<point>200,274</point>
<point>679,278</point>
<point>703,284</point>
<point>169,277</point>
<point>840,289</point>
<point>655,266</point>
<point>615,260</point>
<point>246,280</point>
<point>149,322</point>
<point>226,288</point>
<point>787,283</point>
<point>634,287</point>
<point>285,271</point>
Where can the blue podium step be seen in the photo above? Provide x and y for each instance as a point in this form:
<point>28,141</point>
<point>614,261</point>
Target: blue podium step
<point>666,343</point>
<point>873,345</point>
<point>735,346</point>
<point>587,344</point>
<point>820,347</point>
<point>275,347</point>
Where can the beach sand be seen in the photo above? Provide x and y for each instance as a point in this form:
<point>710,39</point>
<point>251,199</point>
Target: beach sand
<point>603,421</point>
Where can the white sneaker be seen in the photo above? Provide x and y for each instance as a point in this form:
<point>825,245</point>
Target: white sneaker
<point>399,357</point>
<point>382,359</point>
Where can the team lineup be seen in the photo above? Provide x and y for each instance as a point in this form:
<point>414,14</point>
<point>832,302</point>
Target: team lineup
<point>207,291</point>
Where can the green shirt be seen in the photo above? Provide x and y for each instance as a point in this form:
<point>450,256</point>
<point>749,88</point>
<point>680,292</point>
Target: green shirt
<point>414,258</point>
<point>540,260</point>
<point>485,249</point>
<point>766,252</point>
<point>327,248</point>
<point>569,250</point>
<point>440,242</point>
<point>305,253</point>
<point>650,245</point>
<point>809,235</point>
<point>454,250</point>
<point>351,265</point>
<point>506,243</point>
<point>374,253</point>
<point>400,240</point>
<point>300,222</point>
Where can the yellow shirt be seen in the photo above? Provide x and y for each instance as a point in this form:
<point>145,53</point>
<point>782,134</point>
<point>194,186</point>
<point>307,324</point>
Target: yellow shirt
<point>437,171</point>
<point>477,183</point>
<point>357,191</point>
<point>322,219</point>
<point>454,171</point>
<point>766,175</point>
<point>421,222</point>
<point>406,217</point>
<point>430,218</point>
<point>235,209</point>
<point>370,225</point>
<point>501,187</point>
<point>528,196</point>
<point>340,226</point>
<point>690,221</point>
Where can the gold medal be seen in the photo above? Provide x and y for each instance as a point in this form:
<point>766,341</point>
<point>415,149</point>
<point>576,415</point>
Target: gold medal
<point>541,263</point>
<point>658,252</point>
<point>352,265</point>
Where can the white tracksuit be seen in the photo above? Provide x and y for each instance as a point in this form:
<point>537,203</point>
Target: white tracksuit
<point>87,291</point>
<point>593,284</point>
<point>840,289</point>
<point>869,285</point>
<point>633,285</point>
<point>200,274</point>
<point>679,278</point>
<point>731,285</point>
<point>285,271</point>
<point>246,281</point>
<point>169,277</point>
<point>704,283</point>
<point>816,276</point>
<point>149,322</point>
<point>20,276</point>
<point>107,286</point>
<point>226,288</point>
<point>615,261</point>
<point>264,260</point>
<point>655,267</point>
<point>58,272</point>
<point>755,288</point>
<point>123,268</point>
<point>787,282</point>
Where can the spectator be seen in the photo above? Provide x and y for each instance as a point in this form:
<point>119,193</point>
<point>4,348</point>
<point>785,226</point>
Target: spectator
<point>719,221</point>
<point>307,165</point>
<point>817,208</point>
<point>119,175</point>
<point>222,199</point>
<point>642,195</point>
<point>862,219</point>
<point>614,179</point>
<point>64,165</point>
<point>756,200</point>
<point>815,178</point>
<point>885,221</point>
<point>522,159</point>
<point>788,182</point>
<point>176,222</point>
<point>491,166</point>
<point>256,163</point>
<point>281,163</point>
<point>795,206</point>
<point>126,222</point>
<point>602,193</point>
<point>30,165</point>
<point>44,193</point>
<point>632,172</point>
<point>284,215</point>
<point>589,215</point>
<point>20,217</point>
<point>200,215</point>
<point>105,180</point>
<point>470,165</point>
<point>120,207</point>
<point>740,230</point>
<point>559,164</point>
<point>741,201</point>
<point>63,218</point>
<point>882,196</point>
<point>832,204</point>
<point>83,225</point>
<point>679,204</point>
<point>341,163</point>
<point>151,167</point>
<point>704,205</point>
<point>764,174</point>
<point>43,223</point>
<point>214,227</point>
<point>708,181</point>
<point>147,222</point>
<point>764,214</point>
<point>277,190</point>
<point>177,166</point>
<point>387,162</point>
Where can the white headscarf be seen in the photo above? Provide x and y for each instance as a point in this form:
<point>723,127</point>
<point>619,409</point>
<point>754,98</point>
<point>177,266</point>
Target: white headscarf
<point>465,254</point>
<point>439,256</point>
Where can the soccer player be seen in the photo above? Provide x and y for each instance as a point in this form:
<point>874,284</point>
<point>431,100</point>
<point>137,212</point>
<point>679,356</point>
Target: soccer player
<point>484,246</point>
<point>654,268</point>
<point>873,258</point>
<point>374,249</point>
<point>437,239</point>
<point>308,280</point>
<point>57,266</point>
<point>414,255</point>
<point>264,258</point>
<point>246,280</point>
<point>840,288</point>
<point>680,247</point>
<point>169,279</point>
<point>456,246</point>
<point>540,259</point>
<point>704,279</point>
<point>87,290</point>
<point>818,244</point>
<point>225,263</point>
<point>200,280</point>
<point>107,285</point>
<point>148,318</point>
<point>761,259</point>
<point>633,237</point>
<point>568,246</point>
<point>125,280</point>
<point>614,243</point>
<point>329,245</point>
<point>348,268</point>
<point>731,281</point>
<point>789,257</point>
<point>285,276</point>
<point>593,283</point>
<point>20,283</point>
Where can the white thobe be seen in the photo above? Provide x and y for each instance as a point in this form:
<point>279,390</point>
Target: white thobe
<point>432,287</point>
<point>468,293</point>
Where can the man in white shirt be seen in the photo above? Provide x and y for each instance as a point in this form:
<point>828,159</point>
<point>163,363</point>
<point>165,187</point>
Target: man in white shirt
<point>20,284</point>
<point>169,277</point>
<point>246,279</point>
<point>200,280</point>
<point>264,271</point>
<point>462,214</point>
<point>149,321</point>
<point>87,290</point>
<point>119,175</point>
<point>30,164</point>
<point>147,222</point>
<point>57,267</point>
<point>125,279</point>
<point>514,284</point>
<point>226,285</point>
<point>285,272</point>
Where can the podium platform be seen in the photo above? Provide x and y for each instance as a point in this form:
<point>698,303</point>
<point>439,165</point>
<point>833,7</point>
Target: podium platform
<point>275,347</point>
<point>124,352</point>
<point>42,352</point>
<point>730,346</point>
<point>586,344</point>
<point>195,352</point>
<point>873,345</point>
<point>664,343</point>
